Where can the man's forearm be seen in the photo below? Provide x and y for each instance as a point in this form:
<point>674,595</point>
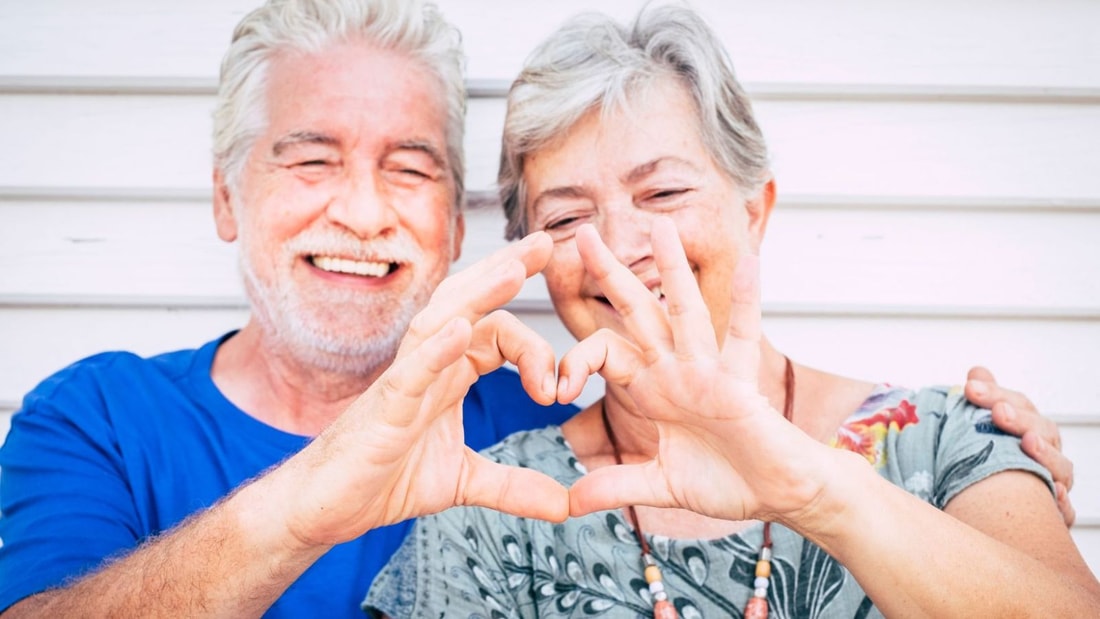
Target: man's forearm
<point>234,559</point>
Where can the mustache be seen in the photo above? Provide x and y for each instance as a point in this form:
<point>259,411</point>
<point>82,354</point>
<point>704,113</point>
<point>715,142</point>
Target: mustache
<point>398,248</point>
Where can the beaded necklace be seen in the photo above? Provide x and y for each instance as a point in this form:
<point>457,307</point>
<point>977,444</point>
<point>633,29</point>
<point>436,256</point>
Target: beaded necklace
<point>757,606</point>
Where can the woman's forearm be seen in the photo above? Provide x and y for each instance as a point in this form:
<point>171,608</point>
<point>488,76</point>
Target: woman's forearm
<point>914,560</point>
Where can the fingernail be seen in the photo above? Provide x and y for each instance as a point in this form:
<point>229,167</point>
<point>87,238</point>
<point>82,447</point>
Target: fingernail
<point>563,384</point>
<point>1040,447</point>
<point>548,387</point>
<point>1008,413</point>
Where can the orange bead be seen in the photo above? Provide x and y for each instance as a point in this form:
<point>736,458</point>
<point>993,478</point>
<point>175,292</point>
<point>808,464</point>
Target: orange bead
<point>665,610</point>
<point>763,569</point>
<point>757,608</point>
<point>652,574</point>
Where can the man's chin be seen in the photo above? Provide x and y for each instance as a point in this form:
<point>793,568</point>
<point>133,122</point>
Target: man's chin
<point>358,356</point>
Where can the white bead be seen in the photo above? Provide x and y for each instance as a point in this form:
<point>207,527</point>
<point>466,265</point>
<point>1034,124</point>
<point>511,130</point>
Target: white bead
<point>656,587</point>
<point>760,593</point>
<point>760,583</point>
<point>660,596</point>
<point>765,554</point>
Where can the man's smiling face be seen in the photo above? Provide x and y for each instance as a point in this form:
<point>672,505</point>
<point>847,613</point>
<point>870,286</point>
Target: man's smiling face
<point>345,208</point>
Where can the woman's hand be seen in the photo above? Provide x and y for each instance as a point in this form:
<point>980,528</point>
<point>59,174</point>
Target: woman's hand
<point>398,451</point>
<point>723,450</point>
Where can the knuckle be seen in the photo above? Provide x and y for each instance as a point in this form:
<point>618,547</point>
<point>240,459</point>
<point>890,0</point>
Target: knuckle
<point>418,325</point>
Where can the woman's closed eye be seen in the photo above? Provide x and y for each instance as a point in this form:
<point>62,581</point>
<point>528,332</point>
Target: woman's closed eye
<point>562,226</point>
<point>667,194</point>
<point>564,222</point>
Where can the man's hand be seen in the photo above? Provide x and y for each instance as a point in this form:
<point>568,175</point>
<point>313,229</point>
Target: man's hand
<point>1013,412</point>
<point>398,451</point>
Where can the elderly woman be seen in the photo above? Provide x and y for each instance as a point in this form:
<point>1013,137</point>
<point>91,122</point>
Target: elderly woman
<point>736,480</point>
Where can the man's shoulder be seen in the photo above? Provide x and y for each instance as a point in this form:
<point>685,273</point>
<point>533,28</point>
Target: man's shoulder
<point>106,373</point>
<point>496,406</point>
<point>500,389</point>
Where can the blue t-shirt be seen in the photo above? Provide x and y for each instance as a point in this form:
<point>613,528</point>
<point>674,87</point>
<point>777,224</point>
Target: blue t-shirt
<point>116,448</point>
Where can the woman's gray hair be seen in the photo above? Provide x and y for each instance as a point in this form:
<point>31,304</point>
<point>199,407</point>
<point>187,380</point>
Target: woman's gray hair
<point>593,62</point>
<point>408,26</point>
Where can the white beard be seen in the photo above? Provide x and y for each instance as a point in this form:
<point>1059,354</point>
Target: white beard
<point>344,331</point>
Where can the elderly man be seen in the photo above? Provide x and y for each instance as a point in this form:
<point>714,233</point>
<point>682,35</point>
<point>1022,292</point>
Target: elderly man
<point>188,483</point>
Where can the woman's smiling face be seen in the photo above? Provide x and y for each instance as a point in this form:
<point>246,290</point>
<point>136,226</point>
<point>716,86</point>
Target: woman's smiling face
<point>618,170</point>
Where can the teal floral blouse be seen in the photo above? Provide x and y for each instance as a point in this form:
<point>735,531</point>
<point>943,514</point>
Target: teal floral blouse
<point>476,563</point>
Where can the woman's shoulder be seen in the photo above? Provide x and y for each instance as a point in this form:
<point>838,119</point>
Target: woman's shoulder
<point>931,441</point>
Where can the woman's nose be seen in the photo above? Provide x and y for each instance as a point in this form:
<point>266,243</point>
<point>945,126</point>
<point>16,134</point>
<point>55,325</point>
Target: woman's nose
<point>626,232</point>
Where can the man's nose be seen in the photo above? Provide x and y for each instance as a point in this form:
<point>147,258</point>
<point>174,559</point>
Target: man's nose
<point>363,206</point>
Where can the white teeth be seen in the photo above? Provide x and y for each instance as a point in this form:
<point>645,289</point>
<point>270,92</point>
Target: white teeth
<point>354,267</point>
<point>657,292</point>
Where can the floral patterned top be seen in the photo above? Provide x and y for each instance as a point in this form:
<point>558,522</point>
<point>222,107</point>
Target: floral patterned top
<point>477,563</point>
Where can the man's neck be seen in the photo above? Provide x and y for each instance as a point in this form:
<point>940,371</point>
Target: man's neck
<point>266,382</point>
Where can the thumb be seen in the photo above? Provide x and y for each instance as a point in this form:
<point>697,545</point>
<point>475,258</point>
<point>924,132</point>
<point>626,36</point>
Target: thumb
<point>612,487</point>
<point>522,492</point>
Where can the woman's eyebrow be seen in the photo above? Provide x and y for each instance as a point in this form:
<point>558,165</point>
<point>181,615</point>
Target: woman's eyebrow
<point>564,192</point>
<point>641,171</point>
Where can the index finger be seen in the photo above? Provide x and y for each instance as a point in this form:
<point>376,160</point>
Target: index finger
<point>640,311</point>
<point>480,288</point>
<point>692,331</point>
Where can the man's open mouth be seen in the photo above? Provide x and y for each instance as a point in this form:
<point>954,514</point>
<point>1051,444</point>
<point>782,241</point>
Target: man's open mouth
<point>363,268</point>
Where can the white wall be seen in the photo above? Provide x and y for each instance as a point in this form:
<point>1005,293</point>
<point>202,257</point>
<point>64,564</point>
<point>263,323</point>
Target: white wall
<point>937,164</point>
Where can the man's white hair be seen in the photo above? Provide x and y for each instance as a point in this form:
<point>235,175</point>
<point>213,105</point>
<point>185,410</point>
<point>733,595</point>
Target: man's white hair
<point>408,26</point>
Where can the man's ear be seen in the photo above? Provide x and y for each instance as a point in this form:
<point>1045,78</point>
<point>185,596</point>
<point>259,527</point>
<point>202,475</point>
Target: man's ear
<point>460,233</point>
<point>760,211</point>
<point>224,219</point>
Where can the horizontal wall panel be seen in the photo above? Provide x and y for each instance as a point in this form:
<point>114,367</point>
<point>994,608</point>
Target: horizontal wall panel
<point>105,141</point>
<point>39,341</point>
<point>1045,44</point>
<point>1008,260</point>
<point>115,249</point>
<point>5,421</point>
<point>1080,444</point>
<point>848,41</point>
<point>823,148</point>
<point>1088,542</point>
<point>1052,361</point>
<point>895,149</point>
<point>972,262</point>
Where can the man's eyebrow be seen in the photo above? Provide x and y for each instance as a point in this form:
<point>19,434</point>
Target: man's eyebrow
<point>422,146</point>
<point>641,171</point>
<point>302,137</point>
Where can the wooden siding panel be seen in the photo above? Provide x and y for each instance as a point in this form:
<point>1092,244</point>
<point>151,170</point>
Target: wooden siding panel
<point>1026,354</point>
<point>1039,44</point>
<point>863,260</point>
<point>855,148</point>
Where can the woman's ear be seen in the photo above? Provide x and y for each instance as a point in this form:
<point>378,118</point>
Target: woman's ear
<point>760,211</point>
<point>224,219</point>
